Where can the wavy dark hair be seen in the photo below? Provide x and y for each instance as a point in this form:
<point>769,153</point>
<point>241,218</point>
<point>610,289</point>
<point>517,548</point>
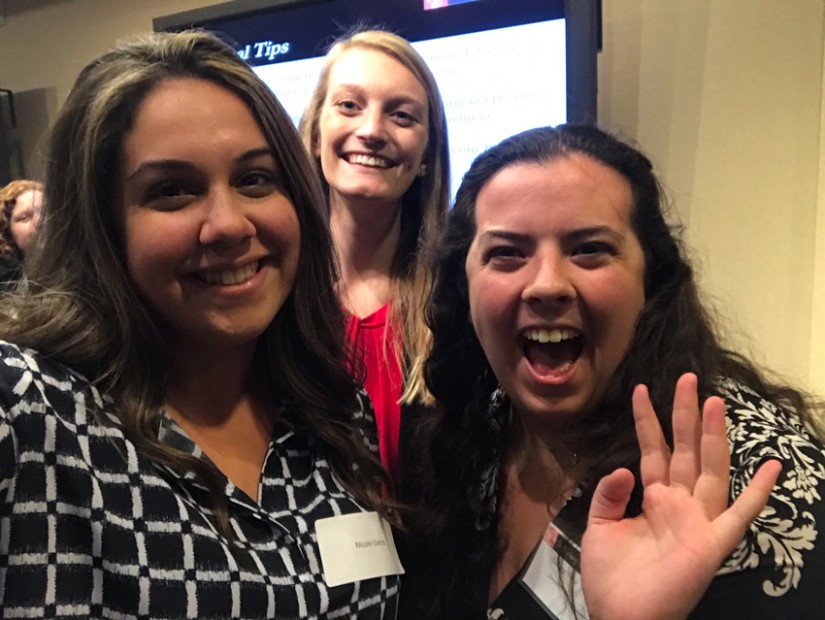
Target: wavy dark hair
<point>83,309</point>
<point>674,334</point>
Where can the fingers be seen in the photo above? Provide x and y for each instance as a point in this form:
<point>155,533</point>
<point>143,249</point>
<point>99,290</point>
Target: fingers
<point>655,464</point>
<point>611,497</point>
<point>701,458</point>
<point>731,525</point>
<point>686,464</point>
<point>712,487</point>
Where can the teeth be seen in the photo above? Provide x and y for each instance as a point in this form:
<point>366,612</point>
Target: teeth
<point>369,160</point>
<point>236,276</point>
<point>544,336</point>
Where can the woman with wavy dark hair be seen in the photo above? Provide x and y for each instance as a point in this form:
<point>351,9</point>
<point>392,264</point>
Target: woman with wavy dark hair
<point>176,409</point>
<point>560,288</point>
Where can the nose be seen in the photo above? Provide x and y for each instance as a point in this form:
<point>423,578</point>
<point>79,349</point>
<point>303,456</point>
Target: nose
<point>372,129</point>
<point>549,281</point>
<point>226,220</point>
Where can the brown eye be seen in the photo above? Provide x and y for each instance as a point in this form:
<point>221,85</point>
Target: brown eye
<point>502,252</point>
<point>167,190</point>
<point>503,257</point>
<point>254,179</point>
<point>593,248</point>
<point>258,183</point>
<point>168,195</point>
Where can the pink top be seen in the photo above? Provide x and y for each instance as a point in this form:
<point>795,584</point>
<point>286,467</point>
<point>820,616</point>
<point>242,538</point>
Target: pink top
<point>383,380</point>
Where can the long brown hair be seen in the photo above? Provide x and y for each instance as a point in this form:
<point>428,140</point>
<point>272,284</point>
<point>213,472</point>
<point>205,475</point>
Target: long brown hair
<point>83,309</point>
<point>675,333</point>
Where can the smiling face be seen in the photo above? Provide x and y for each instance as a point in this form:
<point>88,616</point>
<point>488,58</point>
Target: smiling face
<point>556,282</point>
<point>24,218</point>
<point>373,127</point>
<point>212,242</point>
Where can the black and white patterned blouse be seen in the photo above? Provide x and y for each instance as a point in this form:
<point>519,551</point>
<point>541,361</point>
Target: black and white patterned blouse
<point>776,571</point>
<point>89,528</point>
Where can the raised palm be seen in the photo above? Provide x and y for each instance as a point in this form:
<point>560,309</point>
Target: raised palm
<point>658,565</point>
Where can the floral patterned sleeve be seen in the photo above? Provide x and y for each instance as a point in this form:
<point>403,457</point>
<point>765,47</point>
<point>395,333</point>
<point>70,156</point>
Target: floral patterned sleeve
<point>778,570</point>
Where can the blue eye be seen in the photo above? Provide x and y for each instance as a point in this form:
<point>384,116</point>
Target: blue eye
<point>405,119</point>
<point>347,106</point>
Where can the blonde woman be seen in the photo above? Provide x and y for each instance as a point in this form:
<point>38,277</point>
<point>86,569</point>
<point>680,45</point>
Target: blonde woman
<point>376,128</point>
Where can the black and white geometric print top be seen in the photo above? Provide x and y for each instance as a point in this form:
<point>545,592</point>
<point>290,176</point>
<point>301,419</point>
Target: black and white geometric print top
<point>89,528</point>
<point>776,571</point>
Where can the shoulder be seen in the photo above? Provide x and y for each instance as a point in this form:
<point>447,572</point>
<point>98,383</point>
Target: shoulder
<point>49,417</point>
<point>33,384</point>
<point>784,546</point>
<point>748,409</point>
<point>16,360</point>
<point>758,430</point>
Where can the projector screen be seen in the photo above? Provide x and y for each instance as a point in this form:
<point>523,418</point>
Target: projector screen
<point>502,65</point>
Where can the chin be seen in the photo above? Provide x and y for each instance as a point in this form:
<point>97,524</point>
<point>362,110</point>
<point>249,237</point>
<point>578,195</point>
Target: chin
<point>235,335</point>
<point>548,409</point>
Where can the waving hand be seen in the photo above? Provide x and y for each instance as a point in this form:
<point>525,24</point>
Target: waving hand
<point>658,564</point>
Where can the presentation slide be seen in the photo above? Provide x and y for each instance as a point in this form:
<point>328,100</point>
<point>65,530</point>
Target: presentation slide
<point>494,83</point>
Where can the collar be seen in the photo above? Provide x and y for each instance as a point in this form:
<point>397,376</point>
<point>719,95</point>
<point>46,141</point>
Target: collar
<point>171,433</point>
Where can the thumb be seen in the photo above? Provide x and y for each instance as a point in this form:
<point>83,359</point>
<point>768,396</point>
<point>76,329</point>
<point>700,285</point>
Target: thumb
<point>611,497</point>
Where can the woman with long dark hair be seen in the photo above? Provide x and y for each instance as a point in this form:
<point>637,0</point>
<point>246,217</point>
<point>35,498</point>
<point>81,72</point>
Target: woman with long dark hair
<point>177,413</point>
<point>560,288</point>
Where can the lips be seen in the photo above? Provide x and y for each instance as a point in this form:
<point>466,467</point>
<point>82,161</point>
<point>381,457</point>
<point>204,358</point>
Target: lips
<point>370,161</point>
<point>552,352</point>
<point>229,277</point>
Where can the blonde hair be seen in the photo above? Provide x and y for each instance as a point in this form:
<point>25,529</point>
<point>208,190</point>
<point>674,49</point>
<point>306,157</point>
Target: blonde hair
<point>8,198</point>
<point>423,205</point>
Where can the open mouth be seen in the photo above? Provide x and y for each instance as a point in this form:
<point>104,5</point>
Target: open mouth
<point>552,351</point>
<point>229,277</point>
<point>370,161</point>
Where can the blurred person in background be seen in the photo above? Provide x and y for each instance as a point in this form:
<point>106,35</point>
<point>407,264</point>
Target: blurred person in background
<point>21,202</point>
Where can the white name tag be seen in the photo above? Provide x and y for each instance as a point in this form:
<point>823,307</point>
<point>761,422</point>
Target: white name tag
<point>356,547</point>
<point>548,578</point>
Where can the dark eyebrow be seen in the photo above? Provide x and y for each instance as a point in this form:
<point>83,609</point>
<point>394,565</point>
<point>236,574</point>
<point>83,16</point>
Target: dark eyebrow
<point>505,235</point>
<point>264,151</point>
<point>594,231</point>
<point>182,165</point>
<point>579,234</point>
<point>160,164</point>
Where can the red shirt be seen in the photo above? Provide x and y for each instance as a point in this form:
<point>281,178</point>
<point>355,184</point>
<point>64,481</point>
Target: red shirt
<point>383,380</point>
